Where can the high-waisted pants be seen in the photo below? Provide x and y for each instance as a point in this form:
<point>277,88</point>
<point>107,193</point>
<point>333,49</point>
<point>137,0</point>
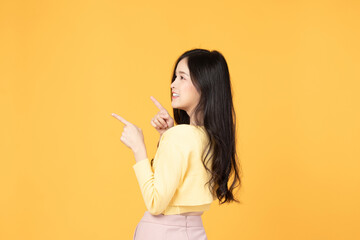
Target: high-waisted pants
<point>170,227</point>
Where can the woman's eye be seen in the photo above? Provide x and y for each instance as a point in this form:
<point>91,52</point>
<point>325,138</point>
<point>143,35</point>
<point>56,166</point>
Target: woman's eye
<point>181,77</point>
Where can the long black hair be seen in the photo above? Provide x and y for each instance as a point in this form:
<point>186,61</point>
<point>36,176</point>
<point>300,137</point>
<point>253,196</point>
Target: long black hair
<point>209,74</point>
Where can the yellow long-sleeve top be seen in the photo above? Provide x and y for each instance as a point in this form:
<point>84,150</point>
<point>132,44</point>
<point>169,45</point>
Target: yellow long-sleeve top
<point>176,182</point>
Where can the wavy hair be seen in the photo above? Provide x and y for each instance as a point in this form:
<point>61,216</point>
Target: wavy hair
<point>209,74</point>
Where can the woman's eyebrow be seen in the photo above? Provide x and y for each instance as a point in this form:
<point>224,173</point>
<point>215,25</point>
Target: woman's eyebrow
<point>183,72</point>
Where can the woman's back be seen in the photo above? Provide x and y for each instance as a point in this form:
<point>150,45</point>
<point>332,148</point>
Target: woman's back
<point>175,183</point>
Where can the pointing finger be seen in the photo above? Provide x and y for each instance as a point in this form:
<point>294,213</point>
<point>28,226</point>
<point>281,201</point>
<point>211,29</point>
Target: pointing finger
<point>120,118</point>
<point>158,105</point>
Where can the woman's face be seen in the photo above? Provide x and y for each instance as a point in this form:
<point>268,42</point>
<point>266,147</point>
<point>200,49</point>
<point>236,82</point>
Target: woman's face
<point>188,97</point>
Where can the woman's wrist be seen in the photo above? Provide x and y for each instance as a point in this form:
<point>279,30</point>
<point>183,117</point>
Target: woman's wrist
<point>140,154</point>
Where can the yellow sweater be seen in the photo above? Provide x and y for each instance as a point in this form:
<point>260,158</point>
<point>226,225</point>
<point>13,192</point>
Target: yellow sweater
<point>176,182</point>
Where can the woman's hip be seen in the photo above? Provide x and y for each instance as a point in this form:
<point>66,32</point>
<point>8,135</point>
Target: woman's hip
<point>170,227</point>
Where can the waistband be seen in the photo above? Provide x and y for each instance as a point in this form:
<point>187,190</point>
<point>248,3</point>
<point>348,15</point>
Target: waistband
<point>174,220</point>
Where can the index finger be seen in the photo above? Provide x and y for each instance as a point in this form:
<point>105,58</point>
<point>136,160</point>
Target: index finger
<point>158,105</point>
<point>120,118</point>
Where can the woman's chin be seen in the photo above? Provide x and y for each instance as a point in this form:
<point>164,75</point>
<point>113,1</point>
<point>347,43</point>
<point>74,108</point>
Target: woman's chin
<point>174,106</point>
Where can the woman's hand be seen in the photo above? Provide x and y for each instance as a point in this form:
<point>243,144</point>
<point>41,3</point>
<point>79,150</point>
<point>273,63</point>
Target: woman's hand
<point>162,121</point>
<point>132,136</point>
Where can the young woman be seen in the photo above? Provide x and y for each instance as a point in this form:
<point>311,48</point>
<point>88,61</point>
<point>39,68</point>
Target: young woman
<point>195,158</point>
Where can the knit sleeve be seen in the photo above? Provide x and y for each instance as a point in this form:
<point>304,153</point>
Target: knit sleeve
<point>170,163</point>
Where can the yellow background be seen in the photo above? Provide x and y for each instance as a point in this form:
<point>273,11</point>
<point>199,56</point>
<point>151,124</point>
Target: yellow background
<point>65,66</point>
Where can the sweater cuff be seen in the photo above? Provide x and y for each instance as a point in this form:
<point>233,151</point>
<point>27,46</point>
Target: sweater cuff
<point>142,171</point>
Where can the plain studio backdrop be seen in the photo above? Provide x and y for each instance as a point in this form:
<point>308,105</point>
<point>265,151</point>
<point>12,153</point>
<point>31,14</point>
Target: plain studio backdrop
<point>65,66</point>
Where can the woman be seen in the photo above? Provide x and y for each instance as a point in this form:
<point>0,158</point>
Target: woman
<point>200,150</point>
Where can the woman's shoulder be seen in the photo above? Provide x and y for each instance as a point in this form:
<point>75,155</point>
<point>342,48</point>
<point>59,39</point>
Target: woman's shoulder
<point>183,129</point>
<point>182,132</point>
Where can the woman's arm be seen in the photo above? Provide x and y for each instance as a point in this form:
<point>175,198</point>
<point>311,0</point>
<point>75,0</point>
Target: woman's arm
<point>158,187</point>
